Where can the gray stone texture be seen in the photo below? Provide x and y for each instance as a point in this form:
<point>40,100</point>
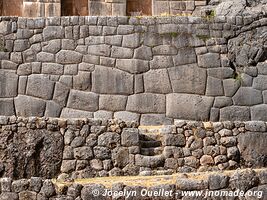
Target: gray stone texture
<point>146,103</point>
<point>80,100</point>
<point>161,62</point>
<point>112,102</point>
<point>9,84</point>
<point>29,106</point>
<point>82,81</point>
<point>209,60</point>
<point>154,120</point>
<point>127,116</point>
<point>130,137</point>
<point>143,59</point>
<point>157,81</point>
<point>68,57</point>
<point>185,56</point>
<point>258,112</point>
<point>260,82</point>
<point>214,87</point>
<point>72,113</point>
<point>188,79</point>
<point>230,86</point>
<point>186,106</point>
<point>133,66</point>
<point>246,96</point>
<point>40,86</point>
<point>53,32</point>
<point>235,113</point>
<point>252,148</point>
<point>111,81</point>
<point>7,107</point>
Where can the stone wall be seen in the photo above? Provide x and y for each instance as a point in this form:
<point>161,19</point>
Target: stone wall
<point>139,69</point>
<point>52,8</point>
<point>247,184</point>
<point>74,149</point>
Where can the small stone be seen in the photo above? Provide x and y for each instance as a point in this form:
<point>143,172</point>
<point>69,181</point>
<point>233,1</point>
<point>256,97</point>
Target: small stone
<point>244,180</point>
<point>255,126</point>
<point>83,153</point>
<point>218,181</point>
<point>206,160</point>
<point>228,141</point>
<point>233,153</point>
<point>220,159</point>
<point>189,184</point>
<point>191,161</point>
<point>130,137</point>
<point>48,189</point>
<point>173,140</point>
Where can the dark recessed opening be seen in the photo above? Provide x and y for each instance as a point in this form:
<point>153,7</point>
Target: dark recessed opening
<point>138,8</point>
<point>74,7</point>
<point>11,7</point>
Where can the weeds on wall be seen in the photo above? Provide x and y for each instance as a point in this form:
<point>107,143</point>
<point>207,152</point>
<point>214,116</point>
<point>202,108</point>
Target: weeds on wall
<point>210,14</point>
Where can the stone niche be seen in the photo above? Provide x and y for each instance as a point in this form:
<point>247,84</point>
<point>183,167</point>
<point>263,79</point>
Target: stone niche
<point>136,7</point>
<point>50,8</point>
<point>11,7</point>
<point>41,8</point>
<point>72,7</point>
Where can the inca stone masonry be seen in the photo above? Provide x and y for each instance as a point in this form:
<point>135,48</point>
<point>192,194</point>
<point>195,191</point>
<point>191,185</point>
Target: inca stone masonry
<point>144,69</point>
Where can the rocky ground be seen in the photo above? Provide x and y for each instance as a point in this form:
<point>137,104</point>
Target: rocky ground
<point>234,7</point>
<point>245,184</point>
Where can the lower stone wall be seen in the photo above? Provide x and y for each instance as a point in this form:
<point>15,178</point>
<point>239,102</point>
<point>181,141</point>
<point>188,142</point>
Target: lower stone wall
<point>83,148</point>
<point>247,184</point>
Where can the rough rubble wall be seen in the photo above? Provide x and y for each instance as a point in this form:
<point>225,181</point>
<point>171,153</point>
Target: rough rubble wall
<point>247,184</point>
<point>148,69</point>
<point>74,149</point>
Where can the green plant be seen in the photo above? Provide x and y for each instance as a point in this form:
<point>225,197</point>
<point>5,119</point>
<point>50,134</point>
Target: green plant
<point>210,14</point>
<point>238,77</point>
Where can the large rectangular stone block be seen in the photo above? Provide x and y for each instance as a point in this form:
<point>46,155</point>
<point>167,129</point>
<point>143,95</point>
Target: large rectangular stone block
<point>157,81</point>
<point>252,147</point>
<point>29,106</point>
<point>185,56</point>
<point>209,60</point>
<point>235,113</point>
<point>146,103</point>
<point>111,81</point>
<point>112,102</point>
<point>72,113</point>
<point>8,84</point>
<point>186,106</point>
<point>188,79</point>
<point>80,100</point>
<point>40,86</point>
<point>7,107</point>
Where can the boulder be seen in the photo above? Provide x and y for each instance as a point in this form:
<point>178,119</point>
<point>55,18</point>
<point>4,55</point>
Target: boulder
<point>29,106</point>
<point>9,84</point>
<point>186,106</point>
<point>146,103</point>
<point>36,153</point>
<point>111,81</point>
<point>188,79</point>
<point>251,146</point>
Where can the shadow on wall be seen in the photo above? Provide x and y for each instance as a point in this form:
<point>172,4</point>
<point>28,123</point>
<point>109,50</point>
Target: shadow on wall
<point>11,7</point>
